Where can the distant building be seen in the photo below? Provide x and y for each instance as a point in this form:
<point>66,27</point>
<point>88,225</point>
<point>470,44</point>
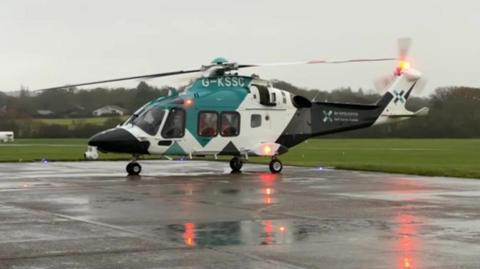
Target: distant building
<point>75,111</point>
<point>109,111</point>
<point>45,113</point>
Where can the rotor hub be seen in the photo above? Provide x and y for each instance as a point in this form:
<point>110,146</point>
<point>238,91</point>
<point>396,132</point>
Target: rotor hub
<point>218,67</point>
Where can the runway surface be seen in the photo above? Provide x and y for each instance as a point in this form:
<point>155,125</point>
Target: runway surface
<point>195,214</point>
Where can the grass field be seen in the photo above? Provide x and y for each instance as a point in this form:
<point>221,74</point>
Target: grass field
<point>26,150</point>
<point>433,157</point>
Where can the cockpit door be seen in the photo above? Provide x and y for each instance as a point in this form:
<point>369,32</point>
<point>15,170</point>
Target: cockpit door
<point>174,127</point>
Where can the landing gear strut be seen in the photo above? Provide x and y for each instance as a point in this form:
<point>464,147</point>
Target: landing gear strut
<point>134,168</point>
<point>236,164</point>
<point>275,165</point>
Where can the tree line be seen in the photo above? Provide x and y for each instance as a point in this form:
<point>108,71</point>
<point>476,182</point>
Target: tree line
<point>63,102</point>
<point>454,111</point>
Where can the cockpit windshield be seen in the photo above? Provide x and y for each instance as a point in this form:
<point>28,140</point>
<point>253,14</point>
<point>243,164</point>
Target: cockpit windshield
<point>150,120</point>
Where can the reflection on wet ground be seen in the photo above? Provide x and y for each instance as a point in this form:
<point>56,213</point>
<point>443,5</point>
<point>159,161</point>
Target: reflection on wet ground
<point>198,215</point>
<point>262,232</point>
<point>407,240</point>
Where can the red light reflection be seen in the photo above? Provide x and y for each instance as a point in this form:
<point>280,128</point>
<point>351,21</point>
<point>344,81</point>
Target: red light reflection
<point>267,195</point>
<point>407,263</point>
<point>268,181</point>
<point>189,234</point>
<point>268,178</point>
<point>268,191</point>
<point>268,230</point>
<point>407,243</point>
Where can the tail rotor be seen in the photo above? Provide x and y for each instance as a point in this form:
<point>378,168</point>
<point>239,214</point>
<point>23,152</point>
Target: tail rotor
<point>404,63</point>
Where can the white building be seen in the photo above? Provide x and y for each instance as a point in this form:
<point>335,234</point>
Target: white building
<point>45,113</point>
<point>108,111</point>
<point>6,137</point>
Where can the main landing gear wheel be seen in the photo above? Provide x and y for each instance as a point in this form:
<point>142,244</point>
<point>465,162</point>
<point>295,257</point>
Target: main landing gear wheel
<point>134,169</point>
<point>275,166</point>
<point>236,164</point>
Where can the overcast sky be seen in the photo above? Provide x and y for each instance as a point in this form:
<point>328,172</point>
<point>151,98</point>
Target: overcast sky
<point>48,43</point>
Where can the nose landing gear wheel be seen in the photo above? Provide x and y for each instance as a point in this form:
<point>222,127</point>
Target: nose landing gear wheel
<point>275,166</point>
<point>134,169</point>
<point>236,164</point>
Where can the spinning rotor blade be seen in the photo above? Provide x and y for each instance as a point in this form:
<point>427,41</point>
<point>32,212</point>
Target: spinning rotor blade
<point>166,74</point>
<point>221,65</point>
<point>421,85</point>
<point>320,62</point>
<point>383,82</point>
<point>182,80</point>
<point>404,45</point>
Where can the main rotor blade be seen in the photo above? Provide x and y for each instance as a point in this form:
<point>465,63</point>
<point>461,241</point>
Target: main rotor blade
<point>125,78</point>
<point>320,62</point>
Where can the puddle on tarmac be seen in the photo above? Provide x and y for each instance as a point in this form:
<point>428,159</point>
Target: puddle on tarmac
<point>261,232</point>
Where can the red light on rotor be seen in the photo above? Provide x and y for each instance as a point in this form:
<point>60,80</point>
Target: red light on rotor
<point>188,102</point>
<point>402,66</point>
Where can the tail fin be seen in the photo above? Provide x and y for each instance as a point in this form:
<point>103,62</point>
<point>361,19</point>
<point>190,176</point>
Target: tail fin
<point>394,100</point>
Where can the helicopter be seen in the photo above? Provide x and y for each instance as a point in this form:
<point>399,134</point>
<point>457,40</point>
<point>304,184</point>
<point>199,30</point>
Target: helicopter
<point>223,113</point>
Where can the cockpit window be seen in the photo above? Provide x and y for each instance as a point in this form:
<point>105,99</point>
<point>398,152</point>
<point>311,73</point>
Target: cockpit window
<point>175,124</point>
<point>150,120</point>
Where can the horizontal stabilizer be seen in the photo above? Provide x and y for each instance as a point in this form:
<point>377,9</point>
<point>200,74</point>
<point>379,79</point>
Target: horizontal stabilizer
<point>419,113</point>
<point>422,112</point>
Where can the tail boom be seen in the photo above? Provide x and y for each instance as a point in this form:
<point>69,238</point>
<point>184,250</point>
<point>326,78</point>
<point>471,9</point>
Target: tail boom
<point>326,118</point>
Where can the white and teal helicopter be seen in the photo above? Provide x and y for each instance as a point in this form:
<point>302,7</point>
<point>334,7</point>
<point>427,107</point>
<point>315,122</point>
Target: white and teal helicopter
<point>223,113</point>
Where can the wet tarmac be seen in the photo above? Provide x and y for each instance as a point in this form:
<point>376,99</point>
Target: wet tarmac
<point>195,214</point>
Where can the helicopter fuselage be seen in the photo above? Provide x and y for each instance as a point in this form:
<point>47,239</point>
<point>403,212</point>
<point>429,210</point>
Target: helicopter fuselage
<point>225,115</point>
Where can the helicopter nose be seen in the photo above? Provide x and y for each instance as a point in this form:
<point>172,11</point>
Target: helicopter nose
<point>118,140</point>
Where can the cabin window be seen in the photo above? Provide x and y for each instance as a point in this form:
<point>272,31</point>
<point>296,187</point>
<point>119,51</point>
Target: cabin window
<point>284,97</point>
<point>230,124</point>
<point>266,98</point>
<point>149,121</point>
<point>255,120</point>
<point>208,124</point>
<point>274,97</point>
<point>175,124</point>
